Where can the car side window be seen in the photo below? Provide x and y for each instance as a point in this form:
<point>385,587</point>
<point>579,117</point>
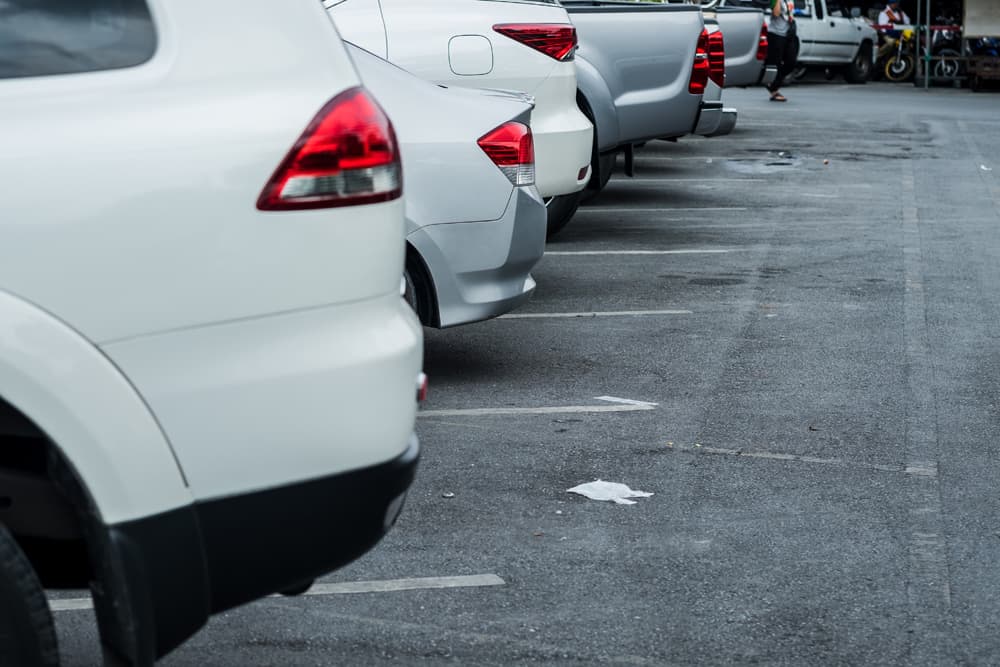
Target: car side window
<point>805,8</point>
<point>835,8</point>
<point>46,37</point>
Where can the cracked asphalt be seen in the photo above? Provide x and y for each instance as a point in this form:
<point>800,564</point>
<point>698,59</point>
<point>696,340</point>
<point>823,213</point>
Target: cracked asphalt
<point>823,448</point>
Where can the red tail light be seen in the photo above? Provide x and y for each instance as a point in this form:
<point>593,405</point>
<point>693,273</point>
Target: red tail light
<point>556,40</point>
<point>348,155</point>
<point>512,149</point>
<point>700,68</point>
<point>717,58</point>
<point>762,44</point>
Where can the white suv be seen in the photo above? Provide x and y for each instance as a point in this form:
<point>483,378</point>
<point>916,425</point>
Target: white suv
<point>522,45</point>
<point>207,374</point>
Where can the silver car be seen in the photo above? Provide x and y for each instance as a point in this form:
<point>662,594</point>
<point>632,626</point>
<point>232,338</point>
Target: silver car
<point>475,222</point>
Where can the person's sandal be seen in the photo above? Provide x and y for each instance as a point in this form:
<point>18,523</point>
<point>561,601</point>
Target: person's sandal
<point>778,97</point>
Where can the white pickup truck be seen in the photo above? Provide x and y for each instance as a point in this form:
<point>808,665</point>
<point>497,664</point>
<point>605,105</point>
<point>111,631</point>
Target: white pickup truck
<point>831,35</point>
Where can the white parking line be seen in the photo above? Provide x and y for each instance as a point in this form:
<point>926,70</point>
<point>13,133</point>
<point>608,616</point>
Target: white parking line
<point>608,313</point>
<point>620,405</point>
<point>669,179</point>
<point>916,470</point>
<point>343,588</point>
<point>693,251</point>
<point>661,209</point>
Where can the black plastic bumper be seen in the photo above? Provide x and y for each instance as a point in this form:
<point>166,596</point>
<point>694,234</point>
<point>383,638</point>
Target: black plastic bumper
<point>164,575</point>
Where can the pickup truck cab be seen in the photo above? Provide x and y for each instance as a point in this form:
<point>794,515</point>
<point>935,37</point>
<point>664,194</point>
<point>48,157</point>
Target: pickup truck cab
<point>833,35</point>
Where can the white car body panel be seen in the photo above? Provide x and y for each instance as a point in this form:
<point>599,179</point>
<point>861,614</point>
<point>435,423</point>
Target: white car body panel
<point>419,37</point>
<point>80,400</point>
<point>275,400</point>
<point>162,253</point>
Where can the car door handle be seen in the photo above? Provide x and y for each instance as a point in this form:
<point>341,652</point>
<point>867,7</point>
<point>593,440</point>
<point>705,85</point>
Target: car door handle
<point>833,24</point>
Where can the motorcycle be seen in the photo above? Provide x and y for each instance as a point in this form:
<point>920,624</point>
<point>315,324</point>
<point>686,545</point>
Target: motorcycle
<point>897,59</point>
<point>946,50</point>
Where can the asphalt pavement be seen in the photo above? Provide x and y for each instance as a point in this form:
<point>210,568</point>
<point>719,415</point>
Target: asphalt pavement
<point>791,337</point>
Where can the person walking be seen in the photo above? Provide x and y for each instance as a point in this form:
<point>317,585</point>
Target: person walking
<point>782,45</point>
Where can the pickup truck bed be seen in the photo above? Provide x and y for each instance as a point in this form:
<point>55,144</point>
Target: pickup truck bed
<point>741,29</point>
<point>633,68</point>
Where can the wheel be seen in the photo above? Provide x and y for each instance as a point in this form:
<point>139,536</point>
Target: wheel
<point>860,69</point>
<point>560,210</point>
<point>418,289</point>
<point>27,634</point>
<point>899,68</point>
<point>797,73</point>
<point>947,69</point>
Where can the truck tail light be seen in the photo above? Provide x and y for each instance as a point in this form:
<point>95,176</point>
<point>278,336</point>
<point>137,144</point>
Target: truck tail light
<point>512,149</point>
<point>556,40</point>
<point>347,155</point>
<point>717,58</point>
<point>700,67</point>
<point>762,44</point>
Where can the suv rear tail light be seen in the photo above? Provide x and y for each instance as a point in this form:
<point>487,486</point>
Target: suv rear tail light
<point>512,149</point>
<point>762,44</point>
<point>556,40</point>
<point>717,58</point>
<point>700,67</point>
<point>347,155</point>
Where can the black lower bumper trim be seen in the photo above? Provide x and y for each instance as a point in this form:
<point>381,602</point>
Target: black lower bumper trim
<point>265,542</point>
<point>162,576</point>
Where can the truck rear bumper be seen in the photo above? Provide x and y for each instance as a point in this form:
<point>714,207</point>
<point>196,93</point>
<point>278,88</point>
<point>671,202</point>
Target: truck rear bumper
<point>709,119</point>
<point>768,75</point>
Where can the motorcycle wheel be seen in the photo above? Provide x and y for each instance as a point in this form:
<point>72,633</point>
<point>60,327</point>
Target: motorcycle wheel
<point>899,68</point>
<point>947,69</point>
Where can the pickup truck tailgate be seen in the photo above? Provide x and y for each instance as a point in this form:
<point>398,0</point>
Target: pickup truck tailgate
<point>741,34</point>
<point>644,53</point>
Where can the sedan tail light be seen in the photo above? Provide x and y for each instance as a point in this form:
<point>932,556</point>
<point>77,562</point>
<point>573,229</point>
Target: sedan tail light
<point>700,67</point>
<point>347,155</point>
<point>762,44</point>
<point>717,58</point>
<point>556,40</point>
<point>512,149</point>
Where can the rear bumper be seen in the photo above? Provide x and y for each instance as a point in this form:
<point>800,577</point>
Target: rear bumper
<point>709,120</point>
<point>563,143</point>
<point>481,270</point>
<point>768,75</point>
<point>167,573</point>
<point>724,121</point>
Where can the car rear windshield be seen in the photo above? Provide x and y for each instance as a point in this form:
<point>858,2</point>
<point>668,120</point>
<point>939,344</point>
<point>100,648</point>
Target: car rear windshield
<point>45,37</point>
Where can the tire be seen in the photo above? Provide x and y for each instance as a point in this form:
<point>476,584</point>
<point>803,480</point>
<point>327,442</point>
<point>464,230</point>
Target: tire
<point>560,211</point>
<point>899,68</point>
<point>27,634</point>
<point>604,165</point>
<point>860,69</point>
<point>418,289</point>
<point>947,69</point>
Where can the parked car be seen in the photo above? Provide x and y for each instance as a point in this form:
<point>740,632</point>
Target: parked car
<point>832,35</point>
<point>745,32</point>
<point>635,68</point>
<point>520,45</point>
<point>475,223</point>
<point>207,374</point>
